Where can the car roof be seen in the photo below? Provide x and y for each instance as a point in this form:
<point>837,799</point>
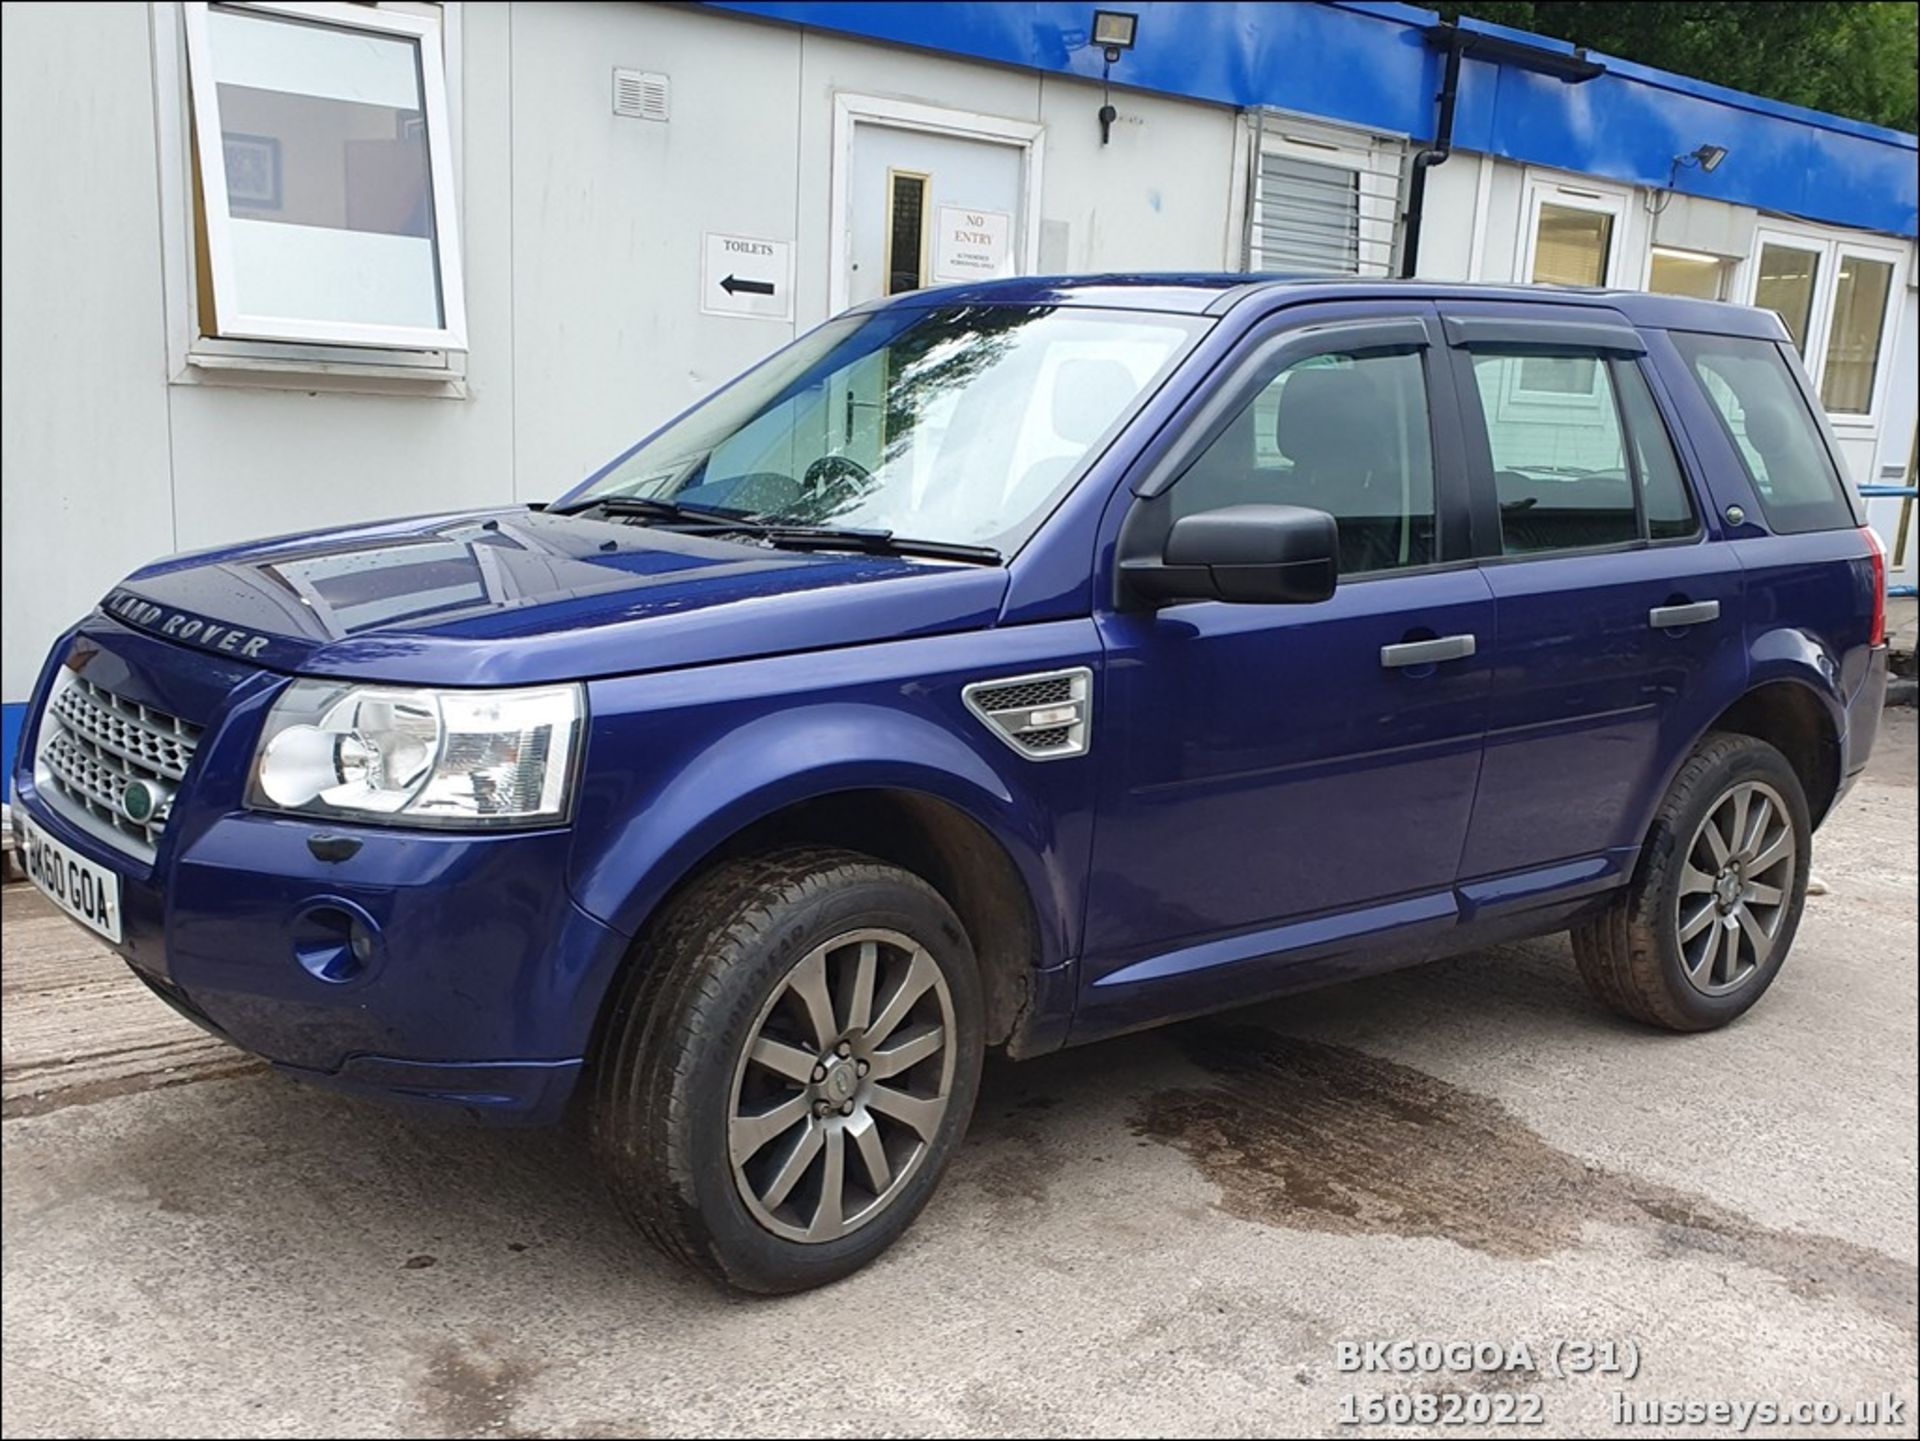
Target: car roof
<point>1216,292</point>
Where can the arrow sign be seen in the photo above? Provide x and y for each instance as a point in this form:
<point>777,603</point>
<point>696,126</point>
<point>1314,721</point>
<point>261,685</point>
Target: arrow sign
<point>750,276</point>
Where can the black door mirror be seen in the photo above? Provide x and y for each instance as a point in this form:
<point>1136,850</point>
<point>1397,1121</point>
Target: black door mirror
<point>1252,554</point>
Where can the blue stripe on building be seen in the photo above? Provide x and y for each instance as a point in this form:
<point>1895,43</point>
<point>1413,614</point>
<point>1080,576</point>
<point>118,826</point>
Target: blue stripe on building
<point>13,720</point>
<point>1371,65</point>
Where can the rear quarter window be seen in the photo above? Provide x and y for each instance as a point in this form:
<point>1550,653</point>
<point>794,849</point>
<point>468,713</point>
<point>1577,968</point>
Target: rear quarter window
<point>1765,415</point>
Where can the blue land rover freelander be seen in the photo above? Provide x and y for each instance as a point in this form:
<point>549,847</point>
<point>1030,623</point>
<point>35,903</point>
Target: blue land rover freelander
<point>1002,666</point>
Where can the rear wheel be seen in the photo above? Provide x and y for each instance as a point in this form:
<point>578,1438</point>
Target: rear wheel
<point>785,1077</point>
<point>1711,913</point>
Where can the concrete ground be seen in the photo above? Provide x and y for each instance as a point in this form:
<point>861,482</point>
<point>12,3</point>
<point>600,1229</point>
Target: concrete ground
<point>1166,1234</point>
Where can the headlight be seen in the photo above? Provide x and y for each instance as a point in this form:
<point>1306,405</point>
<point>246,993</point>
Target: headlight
<point>419,757</point>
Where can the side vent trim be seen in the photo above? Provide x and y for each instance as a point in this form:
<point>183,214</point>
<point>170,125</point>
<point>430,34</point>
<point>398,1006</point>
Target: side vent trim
<point>1043,717</point>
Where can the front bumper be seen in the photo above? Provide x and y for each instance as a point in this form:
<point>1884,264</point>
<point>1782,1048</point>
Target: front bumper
<point>468,990</point>
<point>451,969</point>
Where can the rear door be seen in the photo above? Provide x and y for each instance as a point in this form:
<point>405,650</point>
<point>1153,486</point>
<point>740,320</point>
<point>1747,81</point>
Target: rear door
<point>1618,619</point>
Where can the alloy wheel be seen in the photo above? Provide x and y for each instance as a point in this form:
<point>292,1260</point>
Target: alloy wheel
<point>1736,885</point>
<point>842,1085</point>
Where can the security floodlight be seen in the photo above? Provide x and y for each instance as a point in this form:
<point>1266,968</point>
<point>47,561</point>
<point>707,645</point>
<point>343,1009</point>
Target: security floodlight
<point>1708,157</point>
<point>1114,31</point>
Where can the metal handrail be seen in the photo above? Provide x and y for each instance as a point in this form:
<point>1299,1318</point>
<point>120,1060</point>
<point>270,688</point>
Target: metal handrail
<point>1894,492</point>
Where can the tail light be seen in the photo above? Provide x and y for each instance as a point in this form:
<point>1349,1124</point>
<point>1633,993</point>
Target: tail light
<point>1879,549</point>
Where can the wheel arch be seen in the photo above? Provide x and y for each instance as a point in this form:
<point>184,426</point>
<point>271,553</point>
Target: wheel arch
<point>1801,723</point>
<point>868,780</point>
<point>954,852</point>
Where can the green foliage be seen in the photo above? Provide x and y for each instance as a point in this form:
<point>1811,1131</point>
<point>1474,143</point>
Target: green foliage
<point>1851,57</point>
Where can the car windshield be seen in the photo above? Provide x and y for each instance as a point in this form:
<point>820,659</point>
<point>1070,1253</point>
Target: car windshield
<point>960,424</point>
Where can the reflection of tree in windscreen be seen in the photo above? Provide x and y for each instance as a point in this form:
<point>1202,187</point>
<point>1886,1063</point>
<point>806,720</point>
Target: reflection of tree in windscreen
<point>936,359</point>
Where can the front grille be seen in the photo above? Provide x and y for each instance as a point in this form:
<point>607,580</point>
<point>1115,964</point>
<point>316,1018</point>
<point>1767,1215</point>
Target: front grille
<point>94,744</point>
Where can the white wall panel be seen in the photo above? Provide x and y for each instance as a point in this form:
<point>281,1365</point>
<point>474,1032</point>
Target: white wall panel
<point>608,214</point>
<point>1155,197</point>
<point>83,382</point>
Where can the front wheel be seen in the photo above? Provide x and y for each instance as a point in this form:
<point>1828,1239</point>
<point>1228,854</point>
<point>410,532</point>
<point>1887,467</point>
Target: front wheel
<point>1715,901</point>
<point>791,1066</point>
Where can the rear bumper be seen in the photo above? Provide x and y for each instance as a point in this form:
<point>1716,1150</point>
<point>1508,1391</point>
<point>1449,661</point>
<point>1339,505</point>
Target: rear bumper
<point>1863,721</point>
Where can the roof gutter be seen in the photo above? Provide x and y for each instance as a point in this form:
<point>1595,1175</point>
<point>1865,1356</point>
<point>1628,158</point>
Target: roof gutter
<point>1574,67</point>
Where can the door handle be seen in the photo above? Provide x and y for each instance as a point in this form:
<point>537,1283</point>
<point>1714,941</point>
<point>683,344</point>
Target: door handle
<point>1427,652</point>
<point>1672,617</point>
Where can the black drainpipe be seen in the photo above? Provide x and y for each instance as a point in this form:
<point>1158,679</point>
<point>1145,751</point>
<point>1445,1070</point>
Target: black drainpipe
<point>1572,66</point>
<point>1437,153</point>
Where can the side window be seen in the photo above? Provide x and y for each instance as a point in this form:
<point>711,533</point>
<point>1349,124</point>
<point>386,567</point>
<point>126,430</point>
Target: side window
<point>1347,434</point>
<point>1663,485</point>
<point>1560,470</point>
<point>1775,435</point>
<point>1596,469</point>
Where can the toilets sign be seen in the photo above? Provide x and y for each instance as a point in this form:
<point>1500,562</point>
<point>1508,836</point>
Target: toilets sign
<point>972,244</point>
<point>745,275</point>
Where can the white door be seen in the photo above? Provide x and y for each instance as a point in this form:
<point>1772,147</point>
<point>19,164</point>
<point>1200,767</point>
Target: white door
<point>930,209</point>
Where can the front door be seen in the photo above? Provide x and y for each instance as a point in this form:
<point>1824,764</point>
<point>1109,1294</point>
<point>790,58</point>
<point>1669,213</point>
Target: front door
<point>927,208</point>
<point>1282,785</point>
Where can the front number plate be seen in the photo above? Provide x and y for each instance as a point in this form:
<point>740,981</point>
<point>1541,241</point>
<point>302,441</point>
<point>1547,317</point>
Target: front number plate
<point>88,892</point>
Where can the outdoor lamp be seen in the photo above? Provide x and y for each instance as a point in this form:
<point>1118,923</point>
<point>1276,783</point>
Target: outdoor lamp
<point>1113,31</point>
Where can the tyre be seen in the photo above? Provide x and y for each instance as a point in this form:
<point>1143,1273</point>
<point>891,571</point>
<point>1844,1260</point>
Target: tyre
<point>1711,913</point>
<point>789,1067</point>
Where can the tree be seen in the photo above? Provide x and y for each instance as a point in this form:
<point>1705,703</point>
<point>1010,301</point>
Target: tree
<point>1857,58</point>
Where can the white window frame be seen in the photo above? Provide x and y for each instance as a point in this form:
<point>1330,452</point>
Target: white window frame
<point>1568,193</point>
<point>1832,248</point>
<point>196,358</point>
<point>1729,267</point>
<point>1822,251</point>
<point>1375,160</point>
<point>851,110</point>
<point>1571,194</point>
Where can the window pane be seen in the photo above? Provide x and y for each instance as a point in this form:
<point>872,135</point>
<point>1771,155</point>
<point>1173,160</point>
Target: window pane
<point>1307,216</point>
<point>328,191</point>
<point>1786,287</point>
<point>1675,272</point>
<point>1340,433</point>
<point>1853,345</point>
<point>1560,469</point>
<point>906,217</point>
<point>1557,374</point>
<point>1777,438</point>
<point>1665,497</point>
<point>1570,247</point>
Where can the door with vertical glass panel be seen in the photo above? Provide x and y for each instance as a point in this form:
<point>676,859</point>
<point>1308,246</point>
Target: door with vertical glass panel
<point>929,209</point>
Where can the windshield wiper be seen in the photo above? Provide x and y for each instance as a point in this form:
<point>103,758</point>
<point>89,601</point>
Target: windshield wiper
<point>649,508</point>
<point>788,535</point>
<point>873,542</point>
